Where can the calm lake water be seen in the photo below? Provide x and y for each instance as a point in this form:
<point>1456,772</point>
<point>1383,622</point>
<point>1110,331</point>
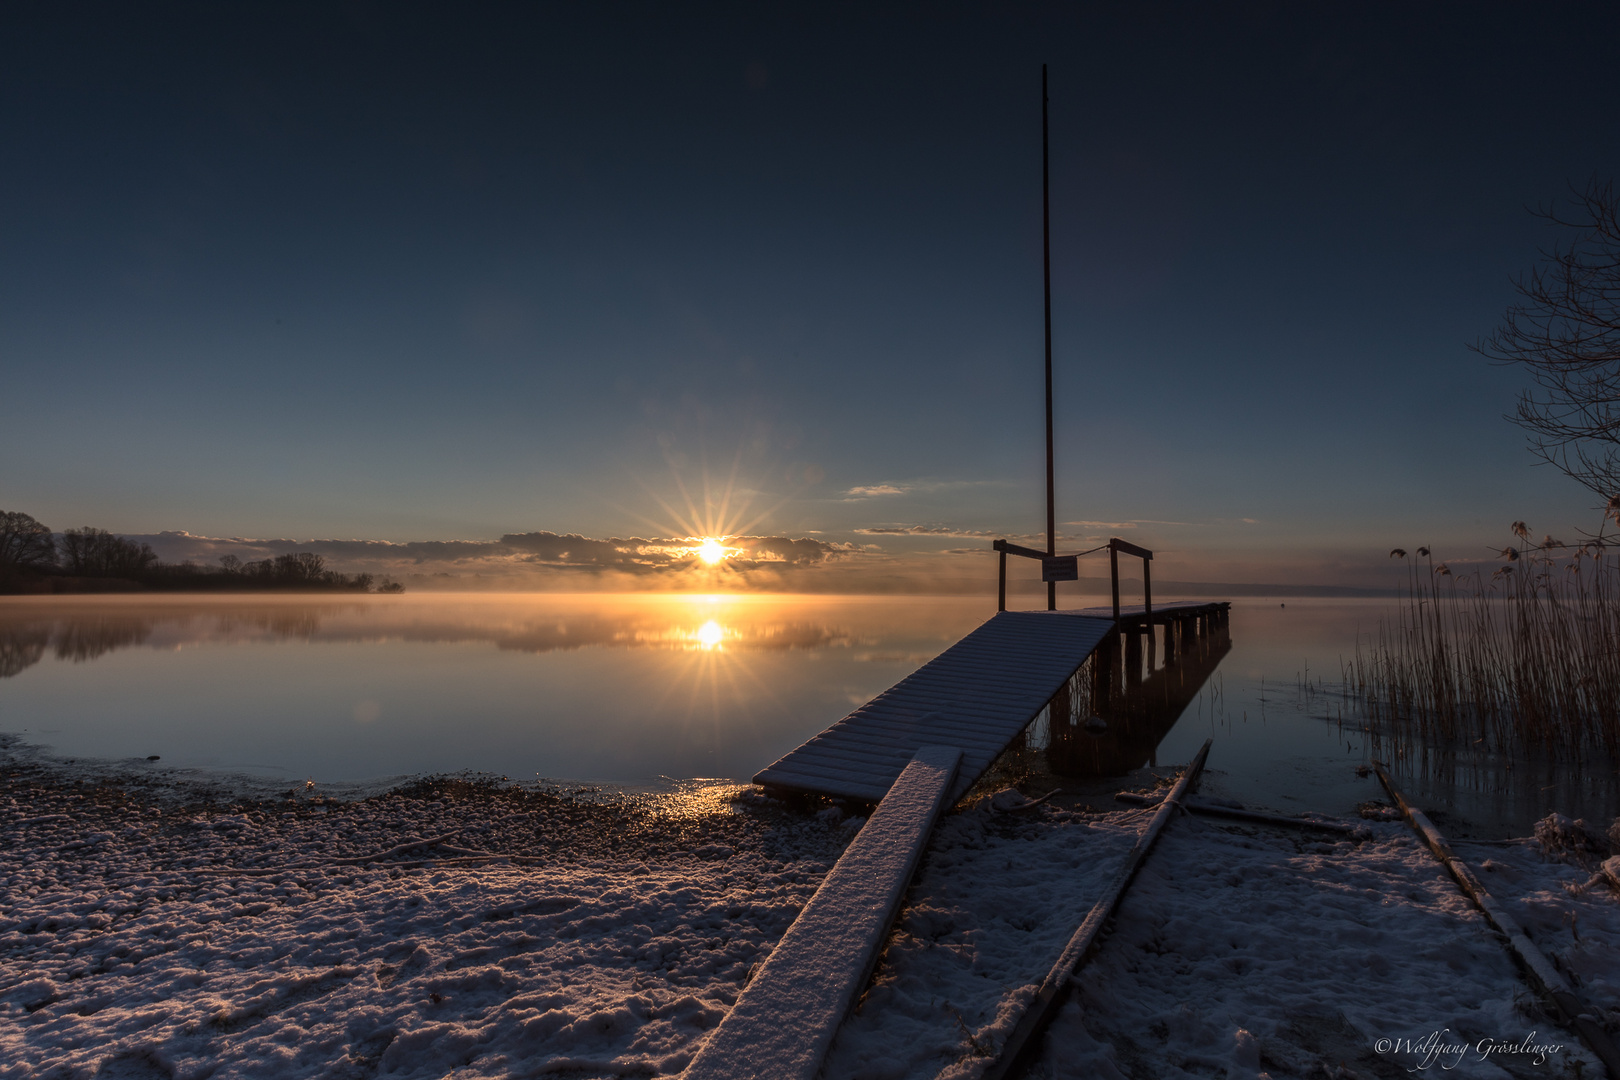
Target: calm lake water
<point>642,690</point>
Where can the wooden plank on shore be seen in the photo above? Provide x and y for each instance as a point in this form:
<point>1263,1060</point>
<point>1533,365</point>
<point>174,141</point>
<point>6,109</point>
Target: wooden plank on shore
<point>1543,975</point>
<point>785,1019</point>
<point>1240,813</point>
<point>1023,1038</point>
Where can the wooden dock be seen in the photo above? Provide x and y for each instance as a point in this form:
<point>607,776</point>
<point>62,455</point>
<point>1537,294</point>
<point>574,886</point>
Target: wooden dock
<point>979,695</point>
<point>913,750</point>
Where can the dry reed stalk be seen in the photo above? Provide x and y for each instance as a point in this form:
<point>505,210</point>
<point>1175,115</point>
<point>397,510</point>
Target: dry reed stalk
<point>1527,660</point>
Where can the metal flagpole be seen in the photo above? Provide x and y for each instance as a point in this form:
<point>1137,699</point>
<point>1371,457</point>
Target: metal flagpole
<point>1046,268</point>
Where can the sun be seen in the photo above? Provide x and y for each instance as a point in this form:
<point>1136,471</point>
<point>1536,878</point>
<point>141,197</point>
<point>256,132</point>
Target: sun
<point>711,550</point>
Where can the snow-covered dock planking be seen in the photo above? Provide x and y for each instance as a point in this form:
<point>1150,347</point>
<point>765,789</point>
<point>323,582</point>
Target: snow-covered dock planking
<point>978,695</point>
<point>786,1017</point>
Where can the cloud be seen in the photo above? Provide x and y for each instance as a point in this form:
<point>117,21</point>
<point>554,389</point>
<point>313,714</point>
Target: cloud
<point>962,534</point>
<point>924,530</point>
<point>922,487</point>
<point>1135,522</point>
<point>801,552</point>
<point>518,552</point>
<point>572,551</point>
<point>175,546</point>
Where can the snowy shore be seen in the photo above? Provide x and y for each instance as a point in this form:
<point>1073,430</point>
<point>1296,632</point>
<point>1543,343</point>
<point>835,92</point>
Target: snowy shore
<point>468,930</point>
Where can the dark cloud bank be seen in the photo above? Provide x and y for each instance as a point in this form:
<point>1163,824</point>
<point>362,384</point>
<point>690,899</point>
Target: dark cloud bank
<point>524,555</point>
<point>570,562</point>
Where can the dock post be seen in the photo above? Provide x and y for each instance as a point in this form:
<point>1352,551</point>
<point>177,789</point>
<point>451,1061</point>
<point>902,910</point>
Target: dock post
<point>1103,662</point>
<point>1147,594</point>
<point>1133,657</point>
<point>1147,607</point>
<point>1001,593</point>
<point>1113,572</point>
<point>1059,714</point>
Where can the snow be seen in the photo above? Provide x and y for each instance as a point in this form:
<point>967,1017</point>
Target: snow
<point>998,897</point>
<point>151,928</point>
<point>1319,950</point>
<point>1239,951</point>
<point>617,945</point>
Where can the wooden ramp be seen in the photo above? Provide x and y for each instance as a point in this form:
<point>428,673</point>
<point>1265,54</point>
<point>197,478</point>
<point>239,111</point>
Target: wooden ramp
<point>786,1017</point>
<point>977,695</point>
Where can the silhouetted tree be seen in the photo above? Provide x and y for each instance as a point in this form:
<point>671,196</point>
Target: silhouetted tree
<point>300,568</point>
<point>98,553</point>
<point>1566,331</point>
<point>24,542</point>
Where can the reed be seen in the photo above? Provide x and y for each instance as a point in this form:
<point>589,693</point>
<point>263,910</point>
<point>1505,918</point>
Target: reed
<point>1522,660</point>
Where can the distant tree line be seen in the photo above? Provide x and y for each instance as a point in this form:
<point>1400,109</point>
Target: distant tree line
<point>34,559</point>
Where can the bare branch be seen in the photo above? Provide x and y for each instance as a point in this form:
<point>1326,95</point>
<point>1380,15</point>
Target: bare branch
<point>1565,332</point>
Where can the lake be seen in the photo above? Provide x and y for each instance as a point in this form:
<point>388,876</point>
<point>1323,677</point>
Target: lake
<point>356,692</point>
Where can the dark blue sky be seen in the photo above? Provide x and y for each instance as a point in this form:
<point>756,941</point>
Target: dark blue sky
<point>448,272</point>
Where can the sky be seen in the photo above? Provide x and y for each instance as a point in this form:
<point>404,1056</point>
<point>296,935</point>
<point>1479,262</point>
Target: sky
<point>429,274</point>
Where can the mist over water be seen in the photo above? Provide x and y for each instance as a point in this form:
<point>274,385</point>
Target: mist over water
<point>639,689</point>
<point>617,688</point>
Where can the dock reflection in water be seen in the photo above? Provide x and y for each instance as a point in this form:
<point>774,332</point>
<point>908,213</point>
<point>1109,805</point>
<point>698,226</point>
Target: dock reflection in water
<point>1123,702</point>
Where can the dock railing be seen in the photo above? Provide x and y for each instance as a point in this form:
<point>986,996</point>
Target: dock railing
<point>1067,568</point>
